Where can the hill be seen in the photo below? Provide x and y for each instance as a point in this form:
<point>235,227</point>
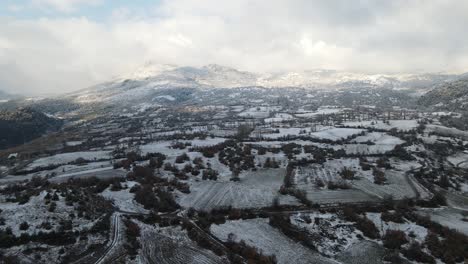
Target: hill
<point>452,96</point>
<point>24,124</point>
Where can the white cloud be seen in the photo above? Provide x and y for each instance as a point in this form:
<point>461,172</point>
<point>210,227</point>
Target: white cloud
<point>66,6</point>
<point>57,55</point>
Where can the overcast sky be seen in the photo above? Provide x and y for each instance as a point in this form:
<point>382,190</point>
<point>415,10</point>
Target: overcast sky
<point>52,46</point>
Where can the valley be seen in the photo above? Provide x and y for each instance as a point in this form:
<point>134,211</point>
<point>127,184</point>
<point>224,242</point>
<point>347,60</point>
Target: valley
<point>205,165</point>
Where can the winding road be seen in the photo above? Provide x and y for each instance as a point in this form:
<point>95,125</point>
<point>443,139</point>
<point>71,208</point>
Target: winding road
<point>115,237</point>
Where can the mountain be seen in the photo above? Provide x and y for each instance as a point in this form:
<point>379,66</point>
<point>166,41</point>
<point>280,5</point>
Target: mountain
<point>169,85</point>
<point>24,124</point>
<point>452,96</point>
<point>143,84</point>
<point>225,77</point>
<point>4,97</point>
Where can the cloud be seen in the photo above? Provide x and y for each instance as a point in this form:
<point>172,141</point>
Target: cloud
<point>65,6</point>
<point>64,54</point>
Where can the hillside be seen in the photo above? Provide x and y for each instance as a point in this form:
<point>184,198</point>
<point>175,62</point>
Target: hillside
<point>167,84</point>
<point>4,96</point>
<point>156,85</point>
<point>24,124</point>
<point>452,96</point>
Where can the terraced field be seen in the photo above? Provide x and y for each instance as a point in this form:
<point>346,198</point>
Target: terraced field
<point>363,252</point>
<point>399,185</point>
<point>172,246</point>
<point>256,189</point>
<point>258,233</point>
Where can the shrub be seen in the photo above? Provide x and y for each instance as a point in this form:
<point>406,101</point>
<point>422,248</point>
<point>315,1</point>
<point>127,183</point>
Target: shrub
<point>24,226</point>
<point>347,174</point>
<point>415,253</point>
<point>182,158</point>
<point>379,176</point>
<point>395,217</point>
<point>394,239</point>
<point>367,227</point>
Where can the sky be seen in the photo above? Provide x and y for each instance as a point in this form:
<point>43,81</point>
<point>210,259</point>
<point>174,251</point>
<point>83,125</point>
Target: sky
<point>57,46</point>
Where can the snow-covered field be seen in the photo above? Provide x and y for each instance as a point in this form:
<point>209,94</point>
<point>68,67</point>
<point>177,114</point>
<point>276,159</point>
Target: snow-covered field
<point>364,251</point>
<point>123,199</point>
<point>450,217</point>
<point>419,232</point>
<point>292,131</point>
<point>382,143</point>
<point>329,171</point>
<point>336,133</point>
<point>460,160</point>
<point>165,148</point>
<point>171,245</point>
<point>256,189</point>
<point>330,133</point>
<point>332,234</point>
<point>259,112</point>
<point>447,131</point>
<point>258,233</point>
<point>320,111</point>
<point>336,196</point>
<point>279,117</point>
<point>402,125</point>
<point>306,178</point>
<point>35,212</point>
<point>65,158</point>
<point>379,138</point>
<point>364,149</point>
<point>398,183</point>
<point>397,186</point>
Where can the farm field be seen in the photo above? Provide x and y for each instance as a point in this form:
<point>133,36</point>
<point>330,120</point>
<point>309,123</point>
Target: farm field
<point>171,245</point>
<point>255,189</point>
<point>258,233</point>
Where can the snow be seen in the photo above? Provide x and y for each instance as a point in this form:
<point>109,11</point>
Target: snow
<point>259,112</point>
<point>330,133</point>
<point>171,245</point>
<point>279,117</point>
<point>167,97</point>
<point>459,160</point>
<point>123,199</point>
<point>65,158</point>
<point>35,211</point>
<point>100,173</point>
<point>364,149</point>
<point>320,111</point>
<point>336,133</point>
<point>364,251</point>
<point>256,189</point>
<point>293,131</point>
<point>447,131</point>
<point>329,171</point>
<point>450,217</point>
<point>402,125</point>
<point>333,234</point>
<point>420,232</point>
<point>258,233</point>
<point>164,146</point>
<point>379,139</point>
<point>205,142</point>
<point>73,143</point>
<point>398,186</point>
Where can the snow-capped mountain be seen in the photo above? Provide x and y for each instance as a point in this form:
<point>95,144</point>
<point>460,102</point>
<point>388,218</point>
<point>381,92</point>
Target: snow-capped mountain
<point>452,96</point>
<point>225,77</point>
<point>170,85</point>
<point>5,96</point>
